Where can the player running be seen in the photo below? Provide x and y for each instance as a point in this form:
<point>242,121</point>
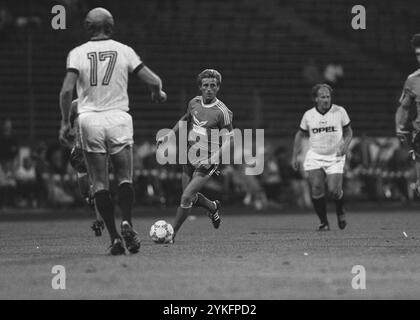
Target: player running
<point>204,113</point>
<point>329,131</point>
<point>77,161</point>
<point>100,68</point>
<point>407,116</point>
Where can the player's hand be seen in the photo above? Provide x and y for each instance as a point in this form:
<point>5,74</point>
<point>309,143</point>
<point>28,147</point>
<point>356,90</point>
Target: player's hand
<point>65,136</point>
<point>161,140</point>
<point>159,97</point>
<point>342,150</point>
<point>403,134</point>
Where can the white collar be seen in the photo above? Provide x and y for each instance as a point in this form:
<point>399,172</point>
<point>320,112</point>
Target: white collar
<point>208,105</point>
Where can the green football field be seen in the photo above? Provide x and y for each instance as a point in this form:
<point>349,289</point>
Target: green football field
<point>254,255</point>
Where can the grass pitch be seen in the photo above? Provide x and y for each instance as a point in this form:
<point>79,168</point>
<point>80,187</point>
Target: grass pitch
<point>254,255</point>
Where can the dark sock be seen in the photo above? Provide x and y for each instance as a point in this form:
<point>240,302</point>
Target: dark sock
<point>320,206</point>
<point>339,205</point>
<point>105,207</point>
<point>181,215</point>
<point>205,203</point>
<point>126,200</point>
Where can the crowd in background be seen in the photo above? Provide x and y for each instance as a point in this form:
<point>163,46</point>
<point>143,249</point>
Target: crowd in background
<point>378,169</point>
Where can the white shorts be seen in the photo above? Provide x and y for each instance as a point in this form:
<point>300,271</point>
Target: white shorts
<point>331,164</point>
<point>106,132</point>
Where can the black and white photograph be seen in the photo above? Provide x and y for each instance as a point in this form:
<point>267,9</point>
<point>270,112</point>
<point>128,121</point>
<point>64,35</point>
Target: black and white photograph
<point>232,152</point>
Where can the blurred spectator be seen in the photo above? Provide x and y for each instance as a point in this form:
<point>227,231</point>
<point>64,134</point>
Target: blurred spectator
<point>148,185</point>
<point>7,187</point>
<point>9,146</point>
<point>311,73</point>
<point>27,185</point>
<point>6,23</point>
<point>60,192</point>
<point>293,187</point>
<point>333,73</point>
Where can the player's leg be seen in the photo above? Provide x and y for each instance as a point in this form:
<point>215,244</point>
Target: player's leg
<point>85,191</point>
<point>335,189</point>
<point>316,180</point>
<point>120,140</point>
<point>334,173</point>
<point>200,200</point>
<point>123,171</point>
<point>95,153</point>
<point>97,164</point>
<point>77,161</point>
<point>416,157</point>
<point>122,162</point>
<point>188,197</point>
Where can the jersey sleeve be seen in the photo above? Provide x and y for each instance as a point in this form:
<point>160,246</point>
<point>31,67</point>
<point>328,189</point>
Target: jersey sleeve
<point>345,119</point>
<point>304,123</point>
<point>225,119</point>
<point>73,60</point>
<point>134,62</point>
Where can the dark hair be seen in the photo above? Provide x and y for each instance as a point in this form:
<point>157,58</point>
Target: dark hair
<point>315,89</point>
<point>209,73</point>
<point>415,41</point>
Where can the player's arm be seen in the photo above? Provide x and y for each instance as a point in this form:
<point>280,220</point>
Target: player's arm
<point>66,97</point>
<point>297,146</point>
<point>347,136</point>
<point>402,113</point>
<point>153,82</point>
<point>182,121</point>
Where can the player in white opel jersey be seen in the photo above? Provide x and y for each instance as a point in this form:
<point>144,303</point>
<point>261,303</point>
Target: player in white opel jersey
<point>100,68</point>
<point>329,131</point>
<point>407,116</point>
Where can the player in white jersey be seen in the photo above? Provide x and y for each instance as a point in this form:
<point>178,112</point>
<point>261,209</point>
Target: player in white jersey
<point>100,69</point>
<point>328,127</point>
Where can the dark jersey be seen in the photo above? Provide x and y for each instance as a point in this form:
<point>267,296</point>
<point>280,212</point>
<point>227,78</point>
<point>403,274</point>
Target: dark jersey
<point>410,98</point>
<point>202,119</point>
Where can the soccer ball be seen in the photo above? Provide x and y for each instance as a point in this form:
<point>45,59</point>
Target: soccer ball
<point>161,232</point>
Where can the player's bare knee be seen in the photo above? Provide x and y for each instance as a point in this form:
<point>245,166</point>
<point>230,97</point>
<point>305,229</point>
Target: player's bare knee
<point>317,192</point>
<point>186,201</point>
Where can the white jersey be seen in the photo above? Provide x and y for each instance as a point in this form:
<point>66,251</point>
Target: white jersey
<point>325,130</point>
<point>103,67</point>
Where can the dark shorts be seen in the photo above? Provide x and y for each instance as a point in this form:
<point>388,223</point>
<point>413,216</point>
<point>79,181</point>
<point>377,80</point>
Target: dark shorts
<point>206,170</point>
<point>77,160</point>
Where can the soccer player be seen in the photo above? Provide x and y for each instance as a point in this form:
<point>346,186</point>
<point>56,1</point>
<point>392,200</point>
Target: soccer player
<point>407,116</point>
<point>77,161</point>
<point>100,68</point>
<point>329,131</point>
<point>204,113</point>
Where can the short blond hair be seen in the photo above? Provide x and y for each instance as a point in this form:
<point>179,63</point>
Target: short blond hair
<point>209,73</point>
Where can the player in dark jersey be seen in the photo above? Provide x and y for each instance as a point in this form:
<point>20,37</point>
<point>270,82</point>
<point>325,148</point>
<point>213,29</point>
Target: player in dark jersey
<point>77,161</point>
<point>407,116</point>
<point>204,113</point>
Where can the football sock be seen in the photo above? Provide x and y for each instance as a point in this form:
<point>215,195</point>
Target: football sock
<point>203,202</point>
<point>181,215</point>
<point>320,206</point>
<point>126,200</point>
<point>105,207</point>
<point>339,204</point>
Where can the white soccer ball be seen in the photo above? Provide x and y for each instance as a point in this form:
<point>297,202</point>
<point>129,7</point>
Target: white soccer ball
<point>161,231</point>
